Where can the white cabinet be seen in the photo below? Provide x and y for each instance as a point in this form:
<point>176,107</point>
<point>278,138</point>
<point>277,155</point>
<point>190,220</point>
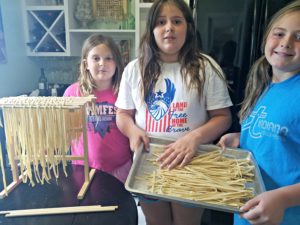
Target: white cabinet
<point>141,10</point>
<point>121,29</point>
<point>45,28</point>
<point>52,29</point>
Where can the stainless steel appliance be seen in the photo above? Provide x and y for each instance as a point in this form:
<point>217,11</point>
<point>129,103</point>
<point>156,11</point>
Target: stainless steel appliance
<point>231,32</point>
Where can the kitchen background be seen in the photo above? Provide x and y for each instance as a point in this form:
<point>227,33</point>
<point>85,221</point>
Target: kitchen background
<point>48,34</point>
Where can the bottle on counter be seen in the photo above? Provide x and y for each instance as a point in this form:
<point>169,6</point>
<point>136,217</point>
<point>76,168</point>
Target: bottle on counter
<point>54,90</point>
<point>43,84</point>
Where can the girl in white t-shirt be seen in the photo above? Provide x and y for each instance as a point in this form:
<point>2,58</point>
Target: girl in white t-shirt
<point>172,91</point>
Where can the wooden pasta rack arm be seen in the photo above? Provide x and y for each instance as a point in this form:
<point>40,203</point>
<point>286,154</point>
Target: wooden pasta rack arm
<point>16,178</point>
<point>86,185</point>
<point>9,188</point>
<point>88,174</point>
<point>15,182</point>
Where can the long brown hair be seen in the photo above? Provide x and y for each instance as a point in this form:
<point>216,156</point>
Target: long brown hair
<point>85,79</point>
<point>192,61</point>
<point>260,74</point>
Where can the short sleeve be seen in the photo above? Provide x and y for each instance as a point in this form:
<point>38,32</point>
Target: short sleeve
<point>72,90</point>
<point>217,95</point>
<point>128,83</point>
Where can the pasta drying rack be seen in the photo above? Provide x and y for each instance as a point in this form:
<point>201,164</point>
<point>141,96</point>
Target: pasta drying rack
<point>39,132</point>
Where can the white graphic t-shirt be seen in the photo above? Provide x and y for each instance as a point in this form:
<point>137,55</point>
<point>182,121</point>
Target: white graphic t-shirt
<point>171,109</point>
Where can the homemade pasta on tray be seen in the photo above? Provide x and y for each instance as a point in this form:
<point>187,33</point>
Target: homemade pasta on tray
<point>217,180</point>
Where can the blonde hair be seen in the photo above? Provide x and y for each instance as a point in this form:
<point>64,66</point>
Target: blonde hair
<point>260,74</point>
<point>85,79</point>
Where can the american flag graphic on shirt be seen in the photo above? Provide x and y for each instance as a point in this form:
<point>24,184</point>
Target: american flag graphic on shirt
<point>158,108</point>
<point>157,126</point>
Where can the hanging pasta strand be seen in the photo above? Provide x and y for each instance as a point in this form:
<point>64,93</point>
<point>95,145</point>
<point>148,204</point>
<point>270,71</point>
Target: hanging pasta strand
<point>46,175</point>
<point>62,146</point>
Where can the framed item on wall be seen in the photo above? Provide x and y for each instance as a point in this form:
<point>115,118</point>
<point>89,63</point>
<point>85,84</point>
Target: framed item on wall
<point>110,10</point>
<point>3,58</point>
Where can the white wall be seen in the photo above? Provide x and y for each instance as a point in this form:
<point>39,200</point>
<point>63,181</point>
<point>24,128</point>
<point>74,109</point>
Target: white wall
<point>20,74</point>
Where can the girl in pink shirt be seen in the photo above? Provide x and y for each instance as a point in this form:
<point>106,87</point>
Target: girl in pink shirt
<point>100,73</point>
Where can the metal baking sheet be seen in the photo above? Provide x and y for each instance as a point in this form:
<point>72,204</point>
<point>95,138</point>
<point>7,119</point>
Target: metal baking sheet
<point>142,166</point>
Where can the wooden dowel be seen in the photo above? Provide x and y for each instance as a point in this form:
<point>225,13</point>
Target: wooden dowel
<point>50,209</point>
<point>59,210</point>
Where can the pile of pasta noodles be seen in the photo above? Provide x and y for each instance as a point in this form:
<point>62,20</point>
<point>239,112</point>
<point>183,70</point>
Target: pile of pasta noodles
<point>210,177</point>
<point>39,131</point>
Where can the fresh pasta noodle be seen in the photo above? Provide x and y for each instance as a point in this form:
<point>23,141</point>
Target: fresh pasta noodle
<point>210,177</point>
<point>39,132</point>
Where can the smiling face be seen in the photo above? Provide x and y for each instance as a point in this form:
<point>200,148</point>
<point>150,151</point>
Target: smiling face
<point>170,32</point>
<point>282,48</point>
<point>101,65</point>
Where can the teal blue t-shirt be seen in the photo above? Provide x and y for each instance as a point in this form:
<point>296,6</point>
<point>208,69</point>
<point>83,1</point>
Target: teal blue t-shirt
<point>272,134</point>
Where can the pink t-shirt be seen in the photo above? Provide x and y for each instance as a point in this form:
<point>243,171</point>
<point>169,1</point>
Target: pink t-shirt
<point>109,149</point>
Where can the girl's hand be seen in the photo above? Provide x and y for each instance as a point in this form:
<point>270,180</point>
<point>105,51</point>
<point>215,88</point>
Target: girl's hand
<point>137,138</point>
<point>126,124</point>
<point>229,140</point>
<point>178,153</point>
<point>265,209</point>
